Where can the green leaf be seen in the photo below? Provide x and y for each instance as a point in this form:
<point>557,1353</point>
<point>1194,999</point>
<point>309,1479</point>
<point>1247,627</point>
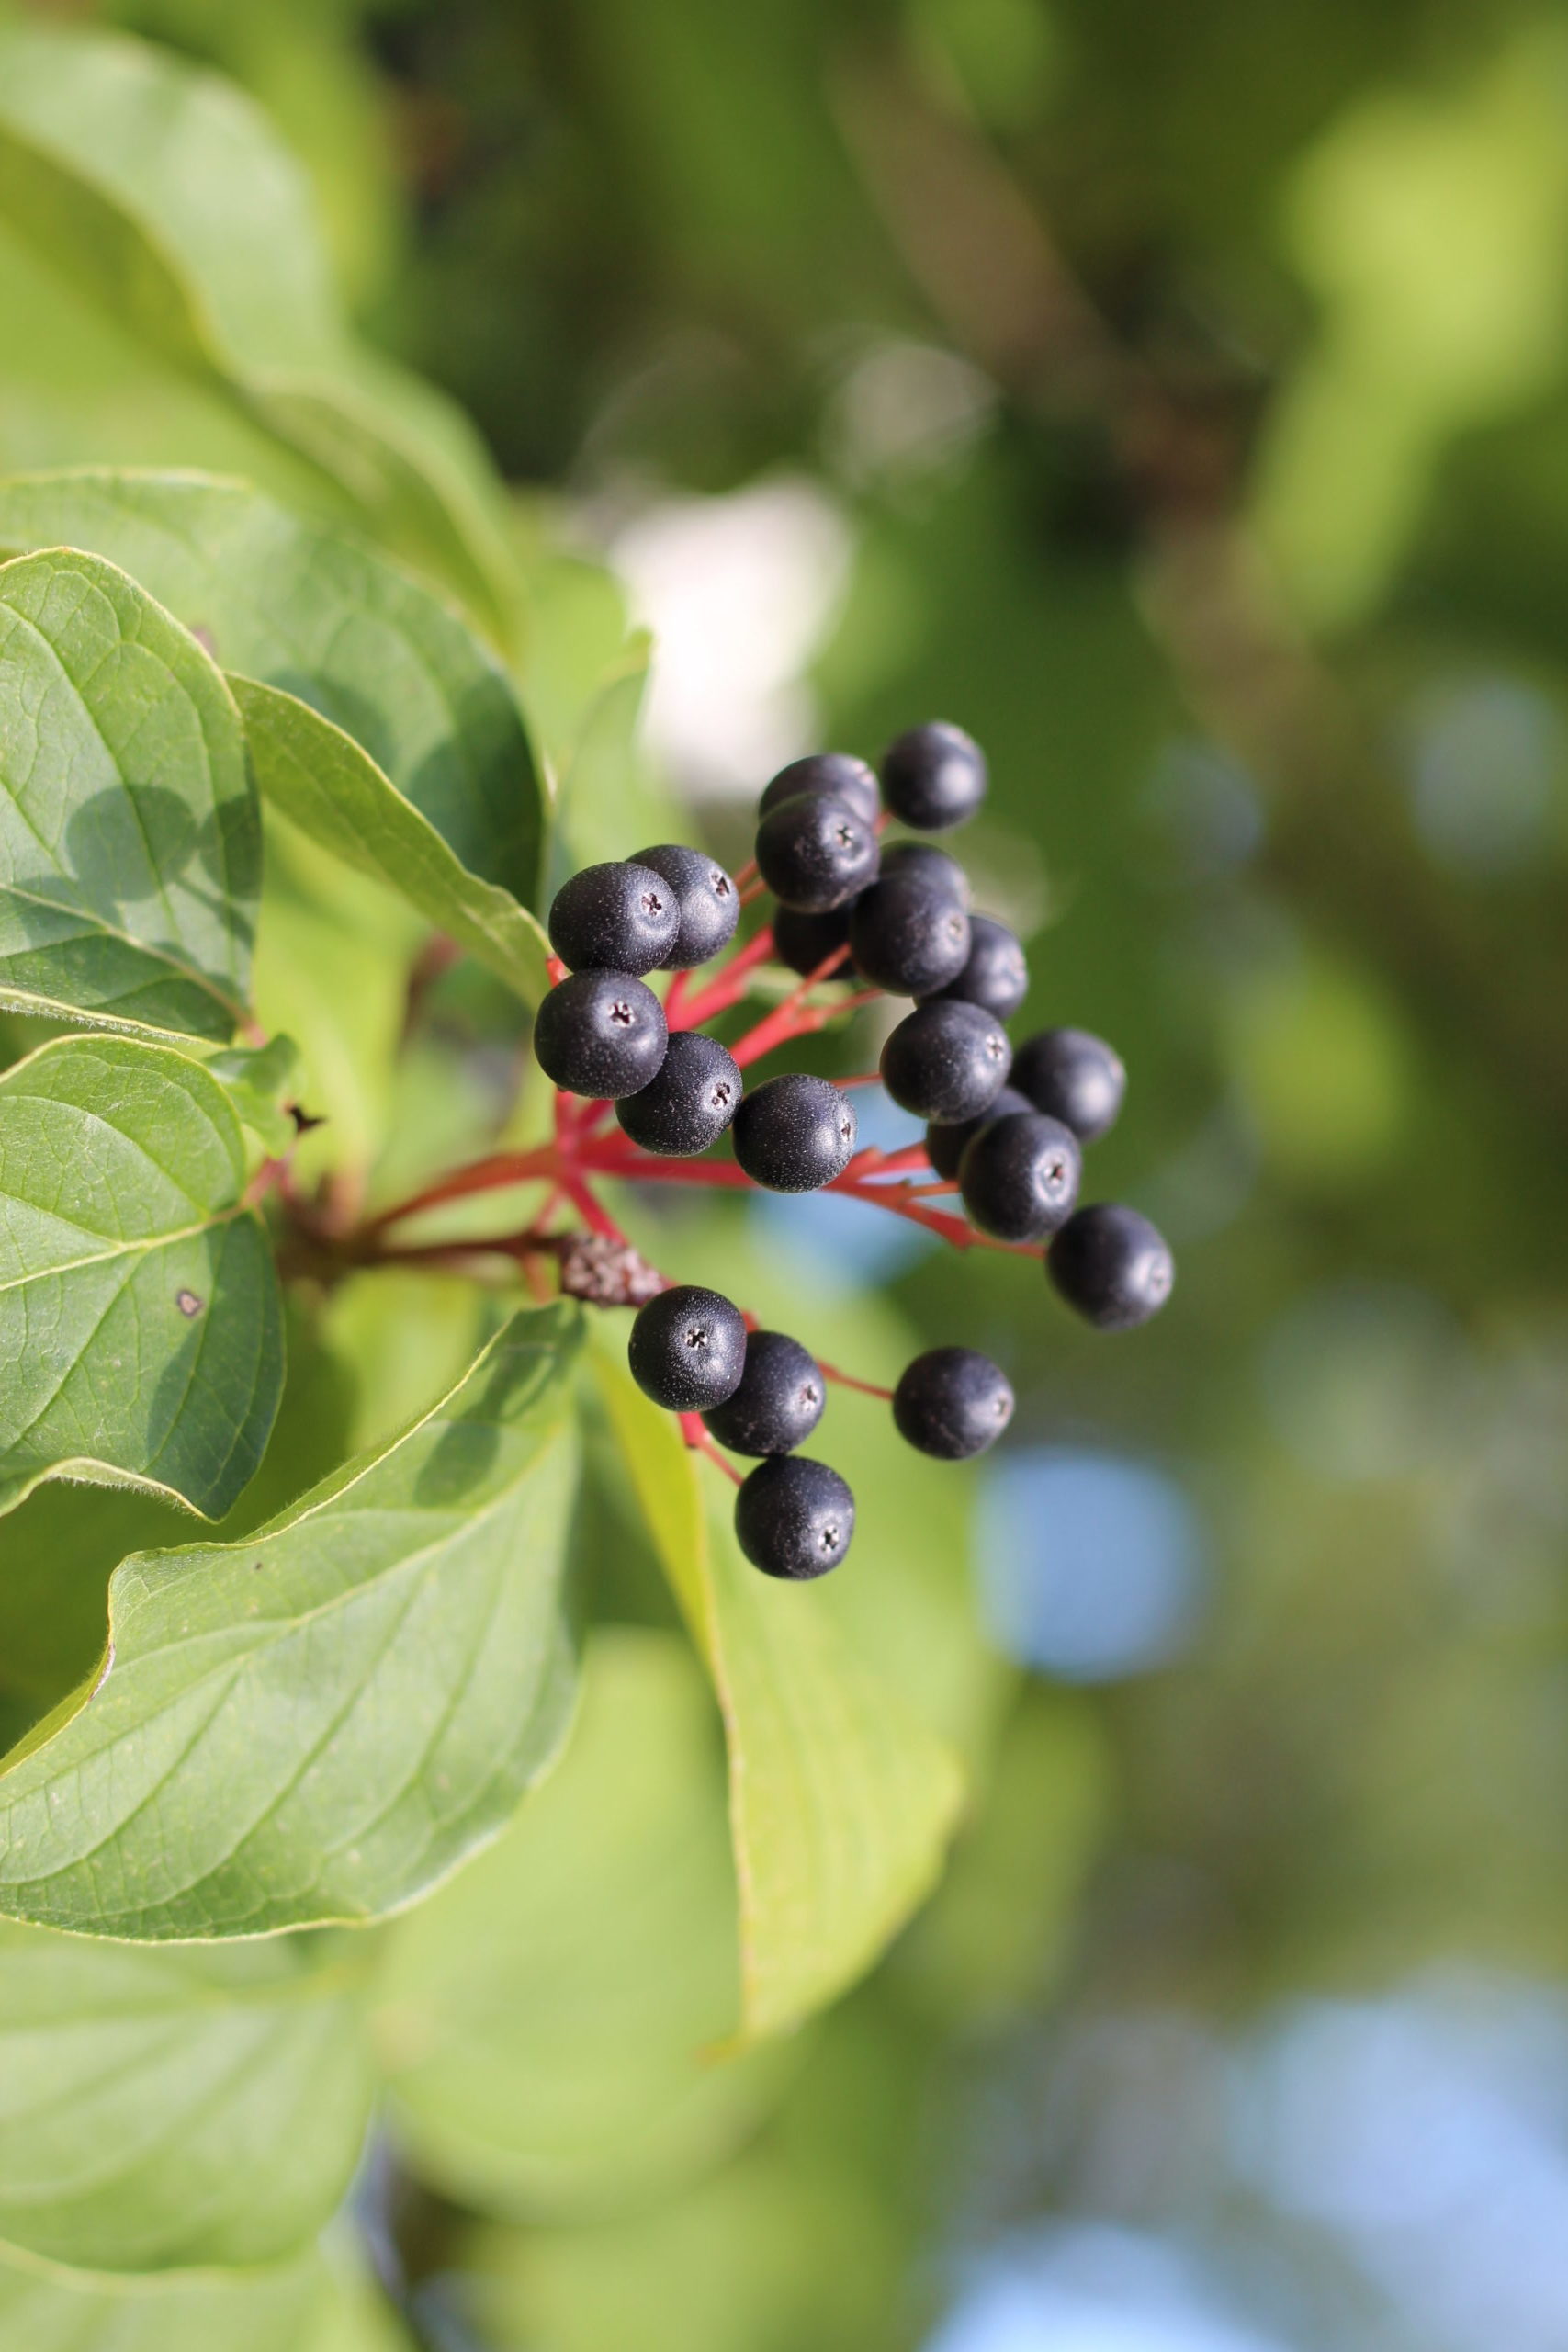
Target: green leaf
<point>546,2021</point>
<point>139,1305</point>
<point>164,2109</point>
<point>61,1547</point>
<point>446,800</point>
<point>841,1799</point>
<point>317,1723</point>
<point>334,792</point>
<point>278,2310</point>
<point>130,846</point>
<point>258,1079</point>
<point>164,197</point>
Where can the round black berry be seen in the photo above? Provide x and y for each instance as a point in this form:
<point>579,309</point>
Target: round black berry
<point>687,1349</point>
<point>1112,1265</point>
<point>934,777</point>
<point>1019,1176</point>
<point>996,975</point>
<point>1073,1077</point>
<point>794,1517</point>
<point>691,1102</point>
<point>707,904</point>
<point>601,1033</point>
<point>779,1401</point>
<point>945,1144</point>
<point>614,918</point>
<point>801,940</point>
<point>908,935</point>
<point>924,857</point>
<point>816,852</point>
<point>839,773</point>
<point>946,1062</point>
<point>795,1134</point>
<point>952,1403</point>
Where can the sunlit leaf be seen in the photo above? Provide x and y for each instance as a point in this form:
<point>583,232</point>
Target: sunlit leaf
<point>279,2310</point>
<point>546,2021</point>
<point>258,1081</point>
<point>139,1306</point>
<point>318,617</point>
<point>319,1723</point>
<point>162,2110</point>
<point>841,1800</point>
<point>163,195</point>
<point>130,848</point>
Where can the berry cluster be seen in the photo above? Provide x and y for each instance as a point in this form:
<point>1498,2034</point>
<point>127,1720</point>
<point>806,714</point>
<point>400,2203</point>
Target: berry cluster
<point>1005,1128</point>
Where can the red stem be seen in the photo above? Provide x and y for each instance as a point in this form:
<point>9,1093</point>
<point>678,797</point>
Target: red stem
<point>721,992</point>
<point>847,1380</point>
<point>697,1438</point>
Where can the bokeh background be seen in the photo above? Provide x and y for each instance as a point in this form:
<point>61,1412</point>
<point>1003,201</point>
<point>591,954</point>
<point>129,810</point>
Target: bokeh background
<point>1177,397</point>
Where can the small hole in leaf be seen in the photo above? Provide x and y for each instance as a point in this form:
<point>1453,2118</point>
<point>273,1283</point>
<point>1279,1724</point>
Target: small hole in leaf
<point>190,1307</point>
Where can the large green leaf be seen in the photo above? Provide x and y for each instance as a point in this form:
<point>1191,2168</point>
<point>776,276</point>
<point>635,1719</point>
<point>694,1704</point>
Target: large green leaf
<point>841,1799</point>
<point>163,195</point>
<point>547,2020</point>
<point>334,791</point>
<point>306,2304</point>
<point>130,846</point>
<point>163,2109</point>
<point>446,800</point>
<point>319,1722</point>
<point>139,1305</point>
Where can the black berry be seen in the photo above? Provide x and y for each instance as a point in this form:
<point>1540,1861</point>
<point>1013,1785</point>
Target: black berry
<point>689,1104</point>
<point>952,1403</point>
<point>795,1134</point>
<point>945,1144</point>
<point>996,975</point>
<point>946,1062</point>
<point>1112,1265</point>
<point>779,1401</point>
<point>1019,1176</point>
<point>934,777</point>
<point>687,1349</point>
<point>839,773</point>
<point>908,935</point>
<point>614,918</point>
<point>707,904</point>
<point>794,1517</point>
<point>924,857</point>
<point>601,1033</point>
<point>816,852</point>
<point>1073,1077</point>
<point>801,940</point>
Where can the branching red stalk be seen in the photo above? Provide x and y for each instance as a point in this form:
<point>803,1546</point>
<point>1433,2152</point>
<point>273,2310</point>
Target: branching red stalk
<point>698,1440</point>
<point>847,1380</point>
<point>721,991</point>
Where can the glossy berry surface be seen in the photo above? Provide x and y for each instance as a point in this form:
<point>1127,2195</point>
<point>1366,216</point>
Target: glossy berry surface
<point>952,1403</point>
<point>908,935</point>
<point>996,975</point>
<point>816,852</point>
<point>1073,1077</point>
<point>687,1349</point>
<point>945,1144</point>
<point>934,777</point>
<point>802,942</point>
<point>795,1134</point>
<point>924,858</point>
<point>614,918</point>
<point>779,1401</point>
<point>707,903</point>
<point>839,773</point>
<point>1112,1265</point>
<point>1019,1176</point>
<point>601,1033</point>
<point>691,1102</point>
<point>795,1518</point>
<point>946,1062</point>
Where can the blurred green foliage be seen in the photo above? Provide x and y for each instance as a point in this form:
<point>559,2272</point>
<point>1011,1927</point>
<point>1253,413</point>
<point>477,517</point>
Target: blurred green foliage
<point>1190,388</point>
